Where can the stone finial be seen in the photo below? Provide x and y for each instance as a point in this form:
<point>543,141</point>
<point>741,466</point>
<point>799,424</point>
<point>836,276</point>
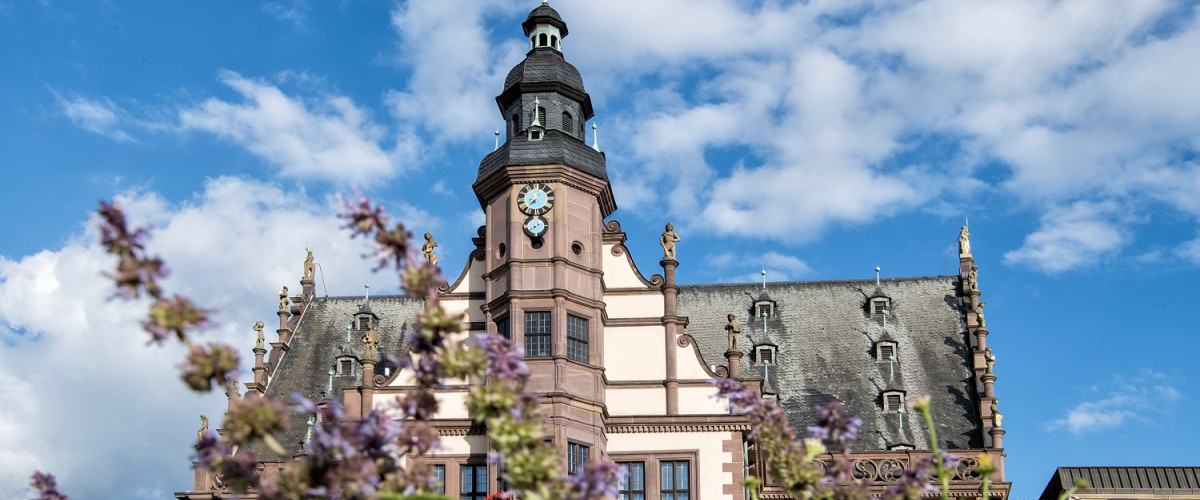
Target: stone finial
<point>979,315</point>
<point>310,267</point>
<point>258,328</point>
<point>989,358</point>
<point>964,242</point>
<point>667,240</point>
<point>427,249</point>
<point>283,294</point>
<point>734,330</point>
<point>203,428</point>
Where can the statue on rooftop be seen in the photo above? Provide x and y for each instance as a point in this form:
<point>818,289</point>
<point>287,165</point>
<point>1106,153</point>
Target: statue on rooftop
<point>258,328</point>
<point>989,358</point>
<point>996,416</point>
<point>283,299</point>
<point>371,340</point>
<point>428,247</point>
<point>667,240</point>
<point>964,242</point>
<point>203,428</point>
<point>979,315</point>
<point>310,267</point>
<point>973,279</point>
<point>734,330</point>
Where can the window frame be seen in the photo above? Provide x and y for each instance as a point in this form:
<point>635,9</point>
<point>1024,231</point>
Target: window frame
<point>577,344</point>
<point>474,467</point>
<point>543,338</point>
<point>625,490</point>
<point>675,491</point>
<point>577,456</point>
<point>653,470</point>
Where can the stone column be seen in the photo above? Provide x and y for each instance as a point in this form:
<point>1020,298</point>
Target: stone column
<point>671,322</point>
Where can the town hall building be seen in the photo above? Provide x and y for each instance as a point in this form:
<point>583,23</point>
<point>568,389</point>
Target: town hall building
<point>623,356</point>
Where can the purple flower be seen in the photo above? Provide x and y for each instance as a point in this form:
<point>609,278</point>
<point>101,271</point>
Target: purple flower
<point>834,424</point>
<point>597,481</point>
<point>46,487</point>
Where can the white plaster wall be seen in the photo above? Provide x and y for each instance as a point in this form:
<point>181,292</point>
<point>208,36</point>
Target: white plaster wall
<point>708,471</point>
<point>617,271</point>
<point>455,306</point>
<point>649,305</point>
<point>687,365</point>
<point>451,404</point>
<point>474,280</point>
<point>701,401</point>
<point>636,400</point>
<point>635,353</point>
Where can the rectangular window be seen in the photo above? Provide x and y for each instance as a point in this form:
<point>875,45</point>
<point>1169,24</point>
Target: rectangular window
<point>347,366</point>
<point>764,355</point>
<point>537,334</point>
<point>893,402</point>
<point>675,482</point>
<point>439,478</point>
<point>364,322</point>
<point>474,482</point>
<point>577,339</point>
<point>885,352</point>
<point>633,485</point>
<point>502,328</point>
<point>577,455</point>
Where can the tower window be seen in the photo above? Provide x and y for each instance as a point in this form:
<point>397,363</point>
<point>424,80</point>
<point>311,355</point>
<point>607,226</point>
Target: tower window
<point>537,334</point>
<point>577,455</point>
<point>577,339</point>
<point>568,124</point>
<point>516,125</point>
<point>553,41</point>
<point>542,40</point>
<point>541,115</point>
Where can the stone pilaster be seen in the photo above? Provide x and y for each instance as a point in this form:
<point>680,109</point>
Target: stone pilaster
<point>672,324</point>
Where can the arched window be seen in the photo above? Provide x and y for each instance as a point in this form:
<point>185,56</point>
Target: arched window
<point>568,124</point>
<point>541,115</point>
<point>516,125</point>
<point>542,40</point>
<point>554,41</point>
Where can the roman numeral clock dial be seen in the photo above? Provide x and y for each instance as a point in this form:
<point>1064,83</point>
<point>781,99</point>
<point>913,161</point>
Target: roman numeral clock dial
<point>533,200</point>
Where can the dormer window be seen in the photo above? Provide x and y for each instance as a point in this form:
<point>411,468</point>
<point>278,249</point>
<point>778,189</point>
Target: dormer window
<point>345,366</point>
<point>764,309</point>
<point>885,351</point>
<point>765,354</point>
<point>880,306</point>
<point>364,322</point>
<point>893,400</point>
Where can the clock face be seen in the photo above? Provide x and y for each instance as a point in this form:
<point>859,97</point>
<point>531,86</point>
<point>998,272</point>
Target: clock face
<point>535,199</point>
<point>535,226</point>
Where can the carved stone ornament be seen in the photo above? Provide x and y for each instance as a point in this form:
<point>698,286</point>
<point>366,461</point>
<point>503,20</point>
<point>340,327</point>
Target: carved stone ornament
<point>991,360</point>
<point>964,242</point>
<point>973,279</point>
<point>979,315</point>
<point>258,328</point>
<point>667,240</point>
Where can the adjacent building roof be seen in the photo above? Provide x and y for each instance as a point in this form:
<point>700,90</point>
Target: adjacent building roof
<point>826,339</point>
<point>1124,481</point>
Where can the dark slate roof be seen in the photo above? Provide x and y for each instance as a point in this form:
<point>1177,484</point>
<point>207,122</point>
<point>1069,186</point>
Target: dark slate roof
<point>825,352</point>
<point>555,147</point>
<point>320,338</point>
<point>544,65</point>
<point>1126,480</point>
<point>546,14</point>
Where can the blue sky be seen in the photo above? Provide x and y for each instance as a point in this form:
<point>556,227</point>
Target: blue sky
<point>816,139</point>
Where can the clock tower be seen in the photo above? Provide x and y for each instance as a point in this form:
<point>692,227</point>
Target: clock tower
<point>545,194</point>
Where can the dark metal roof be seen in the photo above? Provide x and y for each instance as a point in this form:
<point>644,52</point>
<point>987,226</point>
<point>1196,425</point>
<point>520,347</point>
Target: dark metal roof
<point>1125,480</point>
<point>826,336</point>
<point>544,65</point>
<point>555,147</point>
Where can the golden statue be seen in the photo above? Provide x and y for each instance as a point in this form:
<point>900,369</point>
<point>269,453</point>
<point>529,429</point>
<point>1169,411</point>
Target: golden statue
<point>996,416</point>
<point>979,315</point>
<point>964,242</point>
<point>667,240</point>
<point>283,299</point>
<point>258,328</point>
<point>203,428</point>
<point>428,247</point>
<point>310,268</point>
<point>733,329</point>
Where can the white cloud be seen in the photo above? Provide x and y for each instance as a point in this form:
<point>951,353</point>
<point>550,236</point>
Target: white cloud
<point>1190,251</point>
<point>99,116</point>
<point>101,409</point>
<point>295,14</point>
<point>1128,399</point>
<point>779,267</point>
<point>1071,237</point>
<point>329,139</point>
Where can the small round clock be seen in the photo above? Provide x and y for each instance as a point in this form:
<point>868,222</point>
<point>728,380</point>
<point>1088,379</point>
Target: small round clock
<point>535,199</point>
<point>535,226</point>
